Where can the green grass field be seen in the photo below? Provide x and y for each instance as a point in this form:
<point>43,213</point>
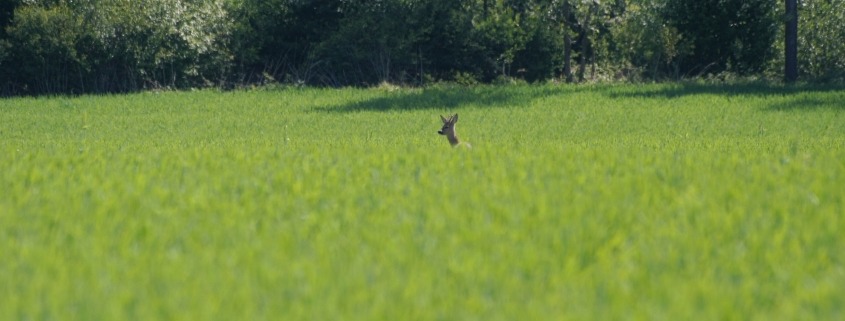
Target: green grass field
<point>616,202</point>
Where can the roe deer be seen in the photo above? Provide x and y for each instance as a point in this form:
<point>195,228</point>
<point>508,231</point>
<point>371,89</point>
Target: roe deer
<point>449,130</point>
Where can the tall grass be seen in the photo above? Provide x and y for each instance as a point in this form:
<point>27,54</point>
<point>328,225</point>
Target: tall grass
<point>678,202</point>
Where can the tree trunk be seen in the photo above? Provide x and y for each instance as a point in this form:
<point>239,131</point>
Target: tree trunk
<point>567,57</point>
<point>567,44</point>
<point>585,43</point>
<point>791,42</point>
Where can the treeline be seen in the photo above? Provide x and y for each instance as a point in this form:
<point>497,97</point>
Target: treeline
<point>93,46</point>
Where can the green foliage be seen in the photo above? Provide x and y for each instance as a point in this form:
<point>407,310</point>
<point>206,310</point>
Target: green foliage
<point>50,41</point>
<point>373,43</point>
<point>7,11</point>
<point>60,46</point>
<point>447,43</point>
<point>648,48</point>
<point>542,55</point>
<point>279,38</point>
<point>725,35</point>
<point>117,46</point>
<point>503,36</point>
<point>676,202</point>
<point>821,30</point>
<point>820,49</point>
<point>163,43</point>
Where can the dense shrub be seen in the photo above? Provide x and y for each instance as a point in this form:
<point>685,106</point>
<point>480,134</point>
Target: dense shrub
<point>105,46</point>
<point>724,35</point>
<point>821,40</point>
<point>42,51</point>
<point>62,46</point>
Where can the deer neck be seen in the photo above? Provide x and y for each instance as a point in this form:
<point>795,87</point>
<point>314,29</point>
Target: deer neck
<point>453,139</point>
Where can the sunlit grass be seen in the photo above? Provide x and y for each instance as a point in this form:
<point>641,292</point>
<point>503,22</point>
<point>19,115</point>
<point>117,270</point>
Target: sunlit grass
<point>650,202</point>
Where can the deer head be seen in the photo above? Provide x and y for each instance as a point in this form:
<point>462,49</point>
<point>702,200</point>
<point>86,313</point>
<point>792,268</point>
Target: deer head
<point>448,129</point>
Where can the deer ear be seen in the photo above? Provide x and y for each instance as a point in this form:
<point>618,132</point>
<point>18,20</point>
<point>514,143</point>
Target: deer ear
<point>443,119</point>
<point>455,118</point>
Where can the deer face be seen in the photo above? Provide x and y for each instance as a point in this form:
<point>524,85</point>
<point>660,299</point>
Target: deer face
<point>448,128</point>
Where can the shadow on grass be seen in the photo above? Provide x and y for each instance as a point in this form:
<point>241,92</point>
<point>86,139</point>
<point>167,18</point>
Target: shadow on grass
<point>745,89</point>
<point>452,98</point>
<point>800,97</point>
<point>833,102</point>
<point>681,89</point>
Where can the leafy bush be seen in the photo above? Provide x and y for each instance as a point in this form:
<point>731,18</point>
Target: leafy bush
<point>116,46</point>
<point>43,51</point>
<point>821,48</point>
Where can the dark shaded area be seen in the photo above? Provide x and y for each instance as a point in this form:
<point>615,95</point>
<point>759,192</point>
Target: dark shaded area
<point>723,35</point>
<point>810,103</point>
<point>805,102</point>
<point>456,97</point>
<point>738,89</point>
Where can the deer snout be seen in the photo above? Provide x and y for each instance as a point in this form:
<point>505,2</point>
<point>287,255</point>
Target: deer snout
<point>440,132</point>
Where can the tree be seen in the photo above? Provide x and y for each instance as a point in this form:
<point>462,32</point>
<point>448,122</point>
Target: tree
<point>791,41</point>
